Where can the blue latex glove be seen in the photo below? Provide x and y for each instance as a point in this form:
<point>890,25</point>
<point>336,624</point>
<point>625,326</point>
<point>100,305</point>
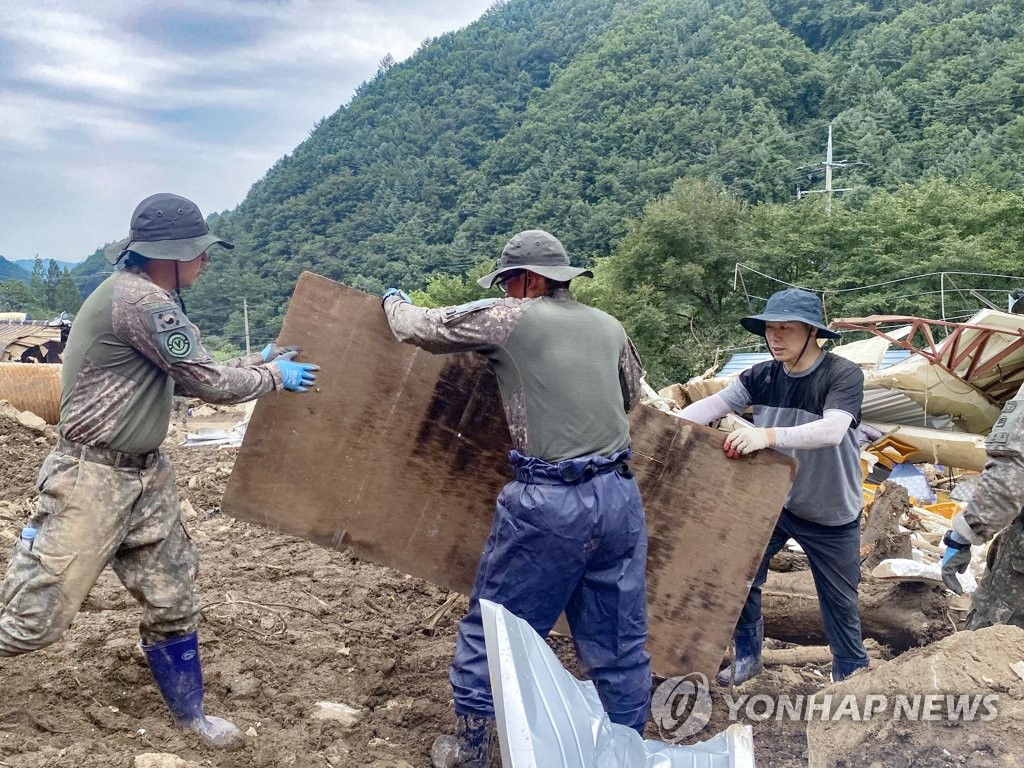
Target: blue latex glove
<point>298,377</point>
<point>272,351</point>
<point>396,292</point>
<point>955,559</point>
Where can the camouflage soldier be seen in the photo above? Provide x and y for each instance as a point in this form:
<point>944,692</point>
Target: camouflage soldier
<point>106,492</point>
<point>569,532</point>
<point>996,502</point>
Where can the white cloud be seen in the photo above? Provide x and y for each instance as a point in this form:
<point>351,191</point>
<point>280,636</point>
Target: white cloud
<point>70,50</point>
<point>34,122</point>
<point>103,103</point>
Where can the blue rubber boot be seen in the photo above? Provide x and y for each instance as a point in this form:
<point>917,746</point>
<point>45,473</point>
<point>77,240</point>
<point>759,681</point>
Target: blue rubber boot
<point>474,745</point>
<point>843,668</point>
<point>174,664</point>
<point>747,641</point>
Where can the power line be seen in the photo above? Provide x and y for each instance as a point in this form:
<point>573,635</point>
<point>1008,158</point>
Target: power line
<point>745,267</point>
<point>942,292</point>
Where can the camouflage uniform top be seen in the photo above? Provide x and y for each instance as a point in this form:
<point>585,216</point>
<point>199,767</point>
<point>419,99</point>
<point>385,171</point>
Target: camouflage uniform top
<point>130,349</point>
<point>568,373</point>
<point>999,493</point>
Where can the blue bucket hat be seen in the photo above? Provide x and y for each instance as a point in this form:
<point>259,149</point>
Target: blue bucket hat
<point>788,306</point>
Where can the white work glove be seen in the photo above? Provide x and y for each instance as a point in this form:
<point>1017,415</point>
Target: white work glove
<point>745,440</point>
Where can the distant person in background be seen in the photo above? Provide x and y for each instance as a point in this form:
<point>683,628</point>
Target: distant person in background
<point>806,402</point>
<point>569,532</point>
<point>997,501</point>
<point>106,492</point>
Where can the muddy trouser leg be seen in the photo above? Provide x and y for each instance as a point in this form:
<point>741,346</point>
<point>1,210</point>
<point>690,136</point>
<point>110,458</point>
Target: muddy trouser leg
<point>80,517</point>
<point>608,610</point>
<point>833,552</point>
<point>157,561</point>
<point>529,536</point>
<point>999,598</point>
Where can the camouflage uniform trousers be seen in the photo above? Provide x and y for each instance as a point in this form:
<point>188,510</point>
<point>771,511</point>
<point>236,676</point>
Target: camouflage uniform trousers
<point>88,515</point>
<point>999,598</point>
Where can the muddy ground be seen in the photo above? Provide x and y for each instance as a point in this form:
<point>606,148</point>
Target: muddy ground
<point>285,624</point>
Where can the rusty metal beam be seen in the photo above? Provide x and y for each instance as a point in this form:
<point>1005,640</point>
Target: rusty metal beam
<point>954,351</point>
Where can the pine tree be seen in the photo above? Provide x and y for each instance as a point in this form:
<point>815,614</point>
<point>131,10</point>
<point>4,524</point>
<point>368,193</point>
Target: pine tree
<point>38,281</point>
<point>66,295</point>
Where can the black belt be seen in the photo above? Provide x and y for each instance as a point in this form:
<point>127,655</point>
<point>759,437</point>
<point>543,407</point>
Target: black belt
<point>106,455</point>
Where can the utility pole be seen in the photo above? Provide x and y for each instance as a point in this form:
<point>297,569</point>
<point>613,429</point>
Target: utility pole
<point>245,318</point>
<point>828,169</point>
<point>829,164</point>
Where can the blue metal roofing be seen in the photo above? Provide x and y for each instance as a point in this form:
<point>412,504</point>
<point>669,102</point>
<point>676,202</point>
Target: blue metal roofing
<point>894,356</point>
<point>740,362</point>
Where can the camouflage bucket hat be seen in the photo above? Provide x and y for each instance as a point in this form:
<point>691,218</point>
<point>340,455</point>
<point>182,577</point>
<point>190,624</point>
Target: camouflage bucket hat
<point>535,251</point>
<point>788,306</point>
<point>166,226</point>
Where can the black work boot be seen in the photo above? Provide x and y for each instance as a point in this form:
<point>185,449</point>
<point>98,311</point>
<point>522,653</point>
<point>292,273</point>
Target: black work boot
<point>747,641</point>
<point>474,744</point>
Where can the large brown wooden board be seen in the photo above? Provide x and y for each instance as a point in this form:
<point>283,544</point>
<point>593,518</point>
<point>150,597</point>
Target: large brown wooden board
<point>398,456</point>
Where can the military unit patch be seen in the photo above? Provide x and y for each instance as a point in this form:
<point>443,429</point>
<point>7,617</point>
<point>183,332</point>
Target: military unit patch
<point>174,335</point>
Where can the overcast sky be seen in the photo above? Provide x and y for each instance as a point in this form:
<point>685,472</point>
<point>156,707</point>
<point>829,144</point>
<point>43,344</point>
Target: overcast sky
<point>104,102</point>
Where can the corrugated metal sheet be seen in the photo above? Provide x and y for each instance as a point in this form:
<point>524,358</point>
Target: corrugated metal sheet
<point>894,356</point>
<point>894,407</point>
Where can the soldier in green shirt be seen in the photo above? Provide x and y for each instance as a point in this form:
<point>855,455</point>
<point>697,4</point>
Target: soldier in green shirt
<point>569,532</point>
<point>106,492</point>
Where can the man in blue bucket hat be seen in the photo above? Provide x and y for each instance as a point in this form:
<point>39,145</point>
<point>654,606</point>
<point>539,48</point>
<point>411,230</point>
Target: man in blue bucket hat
<point>806,402</point>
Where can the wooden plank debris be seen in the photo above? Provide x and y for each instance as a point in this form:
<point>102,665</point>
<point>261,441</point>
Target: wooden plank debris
<point>398,456</point>
<point>810,654</point>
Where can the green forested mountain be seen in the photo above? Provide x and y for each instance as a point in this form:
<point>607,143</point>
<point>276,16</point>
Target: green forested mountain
<point>11,271</point>
<point>663,141</point>
<point>44,292</point>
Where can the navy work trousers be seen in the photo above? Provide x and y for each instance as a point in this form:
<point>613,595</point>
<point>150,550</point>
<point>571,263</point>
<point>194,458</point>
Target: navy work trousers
<point>566,537</point>
<point>833,552</point>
